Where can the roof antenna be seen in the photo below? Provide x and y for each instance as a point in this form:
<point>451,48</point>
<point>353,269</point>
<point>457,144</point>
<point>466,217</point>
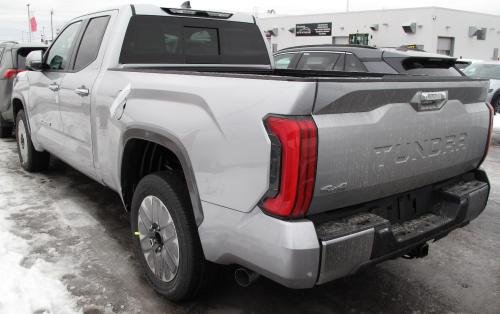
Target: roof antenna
<point>186,5</point>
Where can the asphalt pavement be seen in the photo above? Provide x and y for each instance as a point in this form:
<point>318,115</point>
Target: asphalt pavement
<point>65,216</point>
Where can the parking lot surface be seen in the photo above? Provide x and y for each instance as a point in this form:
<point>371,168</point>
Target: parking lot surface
<point>80,228</point>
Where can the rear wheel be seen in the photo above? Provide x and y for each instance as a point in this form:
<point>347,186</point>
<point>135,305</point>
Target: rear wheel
<point>31,160</point>
<point>166,239</point>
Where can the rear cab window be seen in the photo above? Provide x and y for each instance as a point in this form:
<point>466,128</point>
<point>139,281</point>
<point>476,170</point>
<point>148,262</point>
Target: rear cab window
<point>182,40</point>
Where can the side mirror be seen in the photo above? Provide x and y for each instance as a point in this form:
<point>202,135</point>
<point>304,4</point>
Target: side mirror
<point>34,61</point>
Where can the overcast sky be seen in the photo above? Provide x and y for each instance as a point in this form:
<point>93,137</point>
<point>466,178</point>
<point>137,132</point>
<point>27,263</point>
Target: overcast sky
<point>14,20</point>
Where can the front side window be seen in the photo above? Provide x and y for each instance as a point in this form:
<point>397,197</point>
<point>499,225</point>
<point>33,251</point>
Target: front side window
<point>91,42</point>
<point>318,61</point>
<point>60,53</point>
<point>283,61</point>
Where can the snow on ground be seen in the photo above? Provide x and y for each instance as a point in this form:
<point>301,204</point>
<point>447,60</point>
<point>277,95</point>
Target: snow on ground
<point>28,283</point>
<point>33,289</point>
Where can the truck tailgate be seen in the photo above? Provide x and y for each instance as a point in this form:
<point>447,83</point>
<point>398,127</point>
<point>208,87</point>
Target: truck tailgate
<point>382,137</point>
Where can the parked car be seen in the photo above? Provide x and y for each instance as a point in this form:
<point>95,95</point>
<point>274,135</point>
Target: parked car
<point>488,70</point>
<point>12,60</point>
<point>301,176</point>
<point>463,63</point>
<point>352,58</point>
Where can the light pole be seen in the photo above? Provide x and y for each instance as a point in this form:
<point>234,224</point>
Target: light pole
<point>347,6</point>
<point>51,25</point>
<point>29,22</point>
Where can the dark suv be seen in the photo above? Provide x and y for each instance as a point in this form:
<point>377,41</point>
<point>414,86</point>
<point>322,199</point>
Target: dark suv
<point>352,58</point>
<point>12,61</point>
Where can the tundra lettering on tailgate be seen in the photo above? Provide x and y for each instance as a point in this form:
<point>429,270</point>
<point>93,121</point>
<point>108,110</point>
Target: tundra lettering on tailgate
<point>423,149</point>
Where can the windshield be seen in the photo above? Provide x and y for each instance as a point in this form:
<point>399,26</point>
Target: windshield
<point>483,70</point>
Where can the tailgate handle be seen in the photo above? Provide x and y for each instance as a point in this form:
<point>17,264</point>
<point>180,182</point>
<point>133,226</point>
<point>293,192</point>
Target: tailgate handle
<point>428,101</point>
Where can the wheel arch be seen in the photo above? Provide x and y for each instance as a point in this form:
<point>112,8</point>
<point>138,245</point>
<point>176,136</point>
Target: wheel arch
<point>132,140</point>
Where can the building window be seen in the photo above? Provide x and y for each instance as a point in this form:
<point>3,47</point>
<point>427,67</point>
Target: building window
<point>445,45</point>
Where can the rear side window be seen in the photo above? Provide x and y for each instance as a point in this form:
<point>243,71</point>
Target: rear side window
<point>1,53</point>
<point>283,61</point>
<point>174,40</point>
<point>91,42</point>
<point>318,61</point>
<point>352,64</point>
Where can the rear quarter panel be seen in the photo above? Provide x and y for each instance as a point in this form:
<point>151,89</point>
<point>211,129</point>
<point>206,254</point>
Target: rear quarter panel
<point>218,120</point>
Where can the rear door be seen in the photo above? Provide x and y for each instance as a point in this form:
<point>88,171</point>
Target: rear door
<point>75,95</point>
<point>380,137</point>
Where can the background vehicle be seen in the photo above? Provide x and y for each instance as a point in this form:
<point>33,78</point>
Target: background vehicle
<point>300,176</point>
<point>365,59</point>
<point>463,63</point>
<point>488,70</point>
<point>12,60</point>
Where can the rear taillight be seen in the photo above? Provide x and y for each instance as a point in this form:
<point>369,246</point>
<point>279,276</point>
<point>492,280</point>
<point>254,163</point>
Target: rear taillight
<point>10,73</point>
<point>490,132</point>
<point>293,165</point>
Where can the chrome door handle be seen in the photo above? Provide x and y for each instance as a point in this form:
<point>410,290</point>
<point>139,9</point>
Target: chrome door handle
<point>54,87</point>
<point>82,91</point>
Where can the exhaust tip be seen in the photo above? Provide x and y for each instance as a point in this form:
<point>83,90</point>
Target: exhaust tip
<point>244,277</point>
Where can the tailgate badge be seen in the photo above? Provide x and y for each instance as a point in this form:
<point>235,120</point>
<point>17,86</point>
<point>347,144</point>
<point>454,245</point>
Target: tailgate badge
<point>335,188</point>
<point>429,101</point>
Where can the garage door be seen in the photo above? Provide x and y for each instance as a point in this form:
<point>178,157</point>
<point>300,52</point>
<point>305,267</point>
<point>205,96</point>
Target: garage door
<point>445,45</point>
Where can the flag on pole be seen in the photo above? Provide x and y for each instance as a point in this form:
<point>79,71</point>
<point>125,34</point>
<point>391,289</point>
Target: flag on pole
<point>33,24</point>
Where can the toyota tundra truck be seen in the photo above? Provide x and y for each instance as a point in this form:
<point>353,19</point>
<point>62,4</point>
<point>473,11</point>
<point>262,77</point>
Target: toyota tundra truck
<point>299,176</point>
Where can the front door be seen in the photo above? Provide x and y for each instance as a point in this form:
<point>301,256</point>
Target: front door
<point>45,120</point>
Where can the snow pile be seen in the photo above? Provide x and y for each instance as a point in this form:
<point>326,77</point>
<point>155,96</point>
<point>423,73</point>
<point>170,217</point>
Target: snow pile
<point>28,290</point>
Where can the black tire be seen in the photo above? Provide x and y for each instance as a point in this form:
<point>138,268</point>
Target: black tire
<point>5,130</point>
<point>189,278</point>
<point>33,160</point>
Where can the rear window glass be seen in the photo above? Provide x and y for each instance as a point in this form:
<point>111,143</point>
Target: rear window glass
<point>429,68</point>
<point>174,40</point>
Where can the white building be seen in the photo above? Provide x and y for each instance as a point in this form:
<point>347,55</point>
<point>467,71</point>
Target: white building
<point>447,31</point>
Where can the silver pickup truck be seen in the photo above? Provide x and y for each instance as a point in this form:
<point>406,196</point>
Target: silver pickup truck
<point>300,176</point>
